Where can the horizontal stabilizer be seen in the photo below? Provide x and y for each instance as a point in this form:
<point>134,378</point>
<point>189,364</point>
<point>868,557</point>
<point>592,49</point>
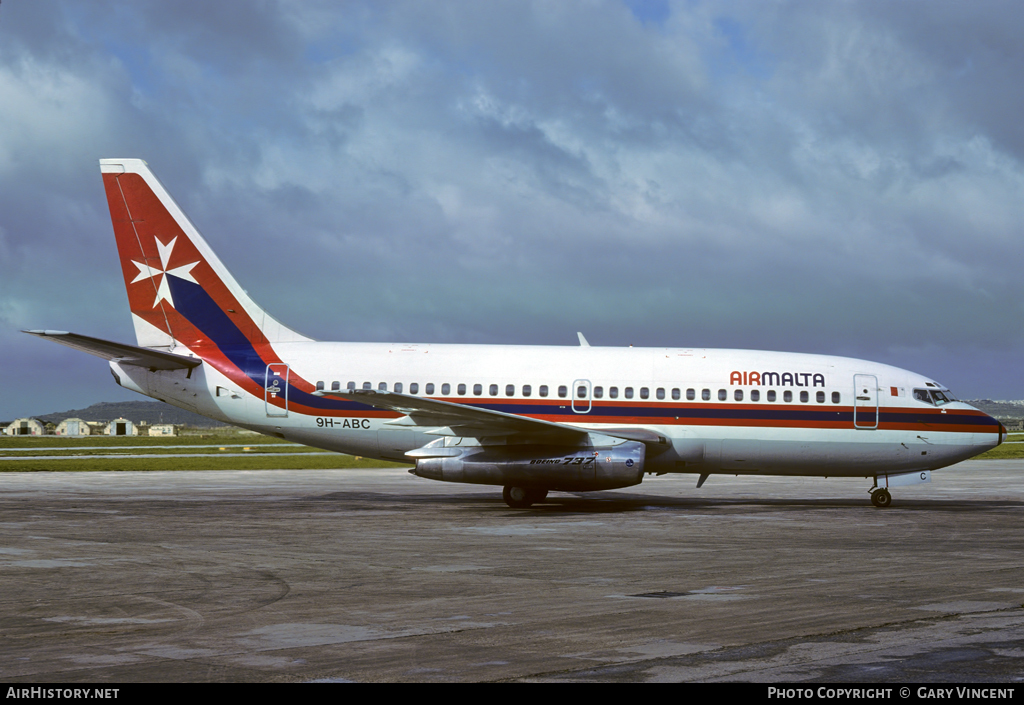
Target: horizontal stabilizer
<point>119,352</point>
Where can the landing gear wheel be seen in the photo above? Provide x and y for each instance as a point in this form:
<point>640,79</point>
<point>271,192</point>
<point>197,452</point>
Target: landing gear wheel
<point>881,498</point>
<point>522,497</point>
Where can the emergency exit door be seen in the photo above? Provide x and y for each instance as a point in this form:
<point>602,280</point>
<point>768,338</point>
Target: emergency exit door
<point>865,401</point>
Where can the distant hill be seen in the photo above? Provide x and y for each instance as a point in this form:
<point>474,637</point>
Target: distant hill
<point>149,411</point>
<point>999,409</point>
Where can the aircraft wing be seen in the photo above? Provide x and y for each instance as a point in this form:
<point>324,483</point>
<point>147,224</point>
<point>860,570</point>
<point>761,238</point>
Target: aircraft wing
<point>461,419</point>
<point>445,418</point>
<point>119,352</point>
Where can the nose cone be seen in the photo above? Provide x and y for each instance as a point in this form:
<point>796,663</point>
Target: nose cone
<point>988,431</point>
<point>997,434</point>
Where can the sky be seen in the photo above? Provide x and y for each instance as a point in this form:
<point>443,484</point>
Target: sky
<point>829,177</point>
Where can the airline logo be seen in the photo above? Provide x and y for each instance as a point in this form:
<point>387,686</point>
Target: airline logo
<point>163,289</point>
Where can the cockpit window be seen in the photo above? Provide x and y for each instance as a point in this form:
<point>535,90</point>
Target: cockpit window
<point>934,396</point>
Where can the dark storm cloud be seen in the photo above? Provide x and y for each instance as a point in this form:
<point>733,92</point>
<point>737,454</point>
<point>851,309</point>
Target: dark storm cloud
<point>839,177</point>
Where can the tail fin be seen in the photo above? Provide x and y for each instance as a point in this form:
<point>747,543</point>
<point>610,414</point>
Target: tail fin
<point>179,292</point>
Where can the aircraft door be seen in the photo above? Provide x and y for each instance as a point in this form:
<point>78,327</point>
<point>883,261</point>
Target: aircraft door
<point>581,393</point>
<point>865,401</point>
<point>275,389</point>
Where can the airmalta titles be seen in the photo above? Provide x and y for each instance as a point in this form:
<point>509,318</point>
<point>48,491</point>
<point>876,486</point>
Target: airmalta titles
<point>776,379</point>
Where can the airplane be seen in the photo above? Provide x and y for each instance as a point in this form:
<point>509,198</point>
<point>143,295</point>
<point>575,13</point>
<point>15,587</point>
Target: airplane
<point>530,419</point>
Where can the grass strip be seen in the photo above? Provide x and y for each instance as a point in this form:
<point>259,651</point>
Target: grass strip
<point>212,439</point>
<point>194,450</point>
<point>1003,452</point>
<point>335,461</point>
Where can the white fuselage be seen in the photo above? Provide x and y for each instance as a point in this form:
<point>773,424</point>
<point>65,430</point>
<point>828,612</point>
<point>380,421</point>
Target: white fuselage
<point>729,411</point>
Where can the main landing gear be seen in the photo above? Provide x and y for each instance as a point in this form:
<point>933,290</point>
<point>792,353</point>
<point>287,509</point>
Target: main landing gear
<point>881,498</point>
<point>522,497</point>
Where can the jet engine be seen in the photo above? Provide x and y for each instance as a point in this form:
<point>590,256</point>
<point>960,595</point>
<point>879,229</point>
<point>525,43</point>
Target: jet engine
<point>549,467</point>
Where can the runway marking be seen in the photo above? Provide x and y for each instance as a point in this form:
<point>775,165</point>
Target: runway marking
<point>155,447</point>
<point>966,606</point>
<point>163,455</point>
<point>96,621</point>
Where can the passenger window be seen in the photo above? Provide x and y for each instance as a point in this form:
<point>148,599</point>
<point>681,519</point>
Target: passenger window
<point>722,395</point>
<point>803,397</point>
<point>598,392</point>
<point>446,389</point>
<point>319,386</point>
<point>691,394</point>
<point>335,386</point>
<point>629,393</point>
<point>414,388</point>
<point>398,387</point>
<point>705,394</point>
<point>581,392</point>
<point>367,385</point>
<point>613,392</point>
<point>676,393</point>
<point>644,393</point>
<point>461,390</point>
<point>563,391</point>
<point>771,395</point>
<point>820,397</point>
<point>738,395</point>
<point>383,386</point>
<point>478,389</point>
<point>510,390</point>
<point>787,396</point>
<point>493,390</point>
<point>660,393</point>
<point>350,385</point>
<point>835,397</point>
<point>527,390</point>
<point>755,395</point>
<point>543,390</point>
<point>430,388</point>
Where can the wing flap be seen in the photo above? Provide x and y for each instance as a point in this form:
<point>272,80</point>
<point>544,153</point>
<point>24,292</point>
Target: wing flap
<point>119,352</point>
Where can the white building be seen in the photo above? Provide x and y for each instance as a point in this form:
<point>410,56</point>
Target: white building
<point>73,427</point>
<point>121,427</point>
<point>26,427</point>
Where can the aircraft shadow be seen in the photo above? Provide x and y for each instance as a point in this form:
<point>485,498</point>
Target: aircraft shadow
<point>616,503</point>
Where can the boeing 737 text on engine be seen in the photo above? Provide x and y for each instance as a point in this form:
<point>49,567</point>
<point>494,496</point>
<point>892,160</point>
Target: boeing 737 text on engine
<point>530,419</point>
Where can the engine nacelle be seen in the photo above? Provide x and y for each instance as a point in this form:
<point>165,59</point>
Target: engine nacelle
<point>550,467</point>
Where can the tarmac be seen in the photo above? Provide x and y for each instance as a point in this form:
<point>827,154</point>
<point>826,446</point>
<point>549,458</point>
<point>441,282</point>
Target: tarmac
<point>376,575</point>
